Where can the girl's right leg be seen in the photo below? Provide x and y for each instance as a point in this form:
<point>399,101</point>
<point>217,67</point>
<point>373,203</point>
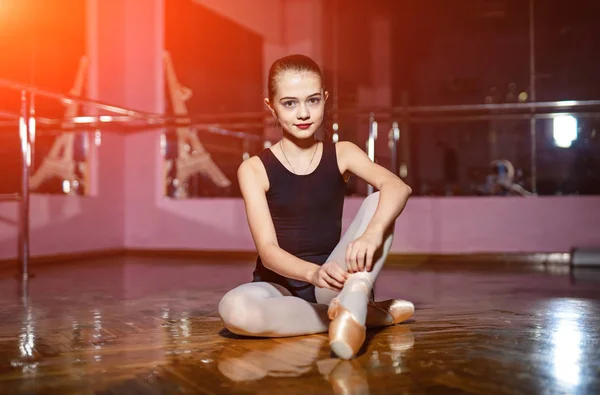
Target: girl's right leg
<point>269,310</point>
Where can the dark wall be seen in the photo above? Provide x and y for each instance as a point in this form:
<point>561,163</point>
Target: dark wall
<point>468,52</point>
<point>221,62</point>
<point>218,59</point>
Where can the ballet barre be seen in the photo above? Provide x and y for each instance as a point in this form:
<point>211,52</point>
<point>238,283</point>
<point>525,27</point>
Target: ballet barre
<point>68,98</point>
<point>124,120</point>
<point>29,125</point>
<point>10,197</point>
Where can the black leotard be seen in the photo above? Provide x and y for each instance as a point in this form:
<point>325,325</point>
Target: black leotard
<point>306,212</point>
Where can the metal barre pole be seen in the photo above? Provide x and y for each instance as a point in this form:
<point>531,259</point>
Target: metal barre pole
<point>409,109</point>
<point>24,134</point>
<point>43,128</point>
<point>9,115</point>
<point>532,82</point>
<point>522,110</point>
<point>10,197</point>
<point>60,96</point>
<point>376,110</point>
<point>371,145</point>
<point>394,136</point>
<point>219,129</point>
<point>524,107</point>
<point>32,126</point>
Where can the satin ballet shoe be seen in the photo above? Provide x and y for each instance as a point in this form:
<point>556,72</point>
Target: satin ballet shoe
<point>388,312</point>
<point>346,334</point>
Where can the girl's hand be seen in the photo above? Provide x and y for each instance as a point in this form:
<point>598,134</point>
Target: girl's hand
<point>330,275</point>
<point>359,254</point>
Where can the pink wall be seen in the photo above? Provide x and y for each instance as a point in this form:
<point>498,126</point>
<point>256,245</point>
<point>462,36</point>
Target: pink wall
<point>62,224</point>
<point>428,225</point>
<point>476,224</point>
<point>128,210</point>
<point>124,47</point>
<point>127,47</point>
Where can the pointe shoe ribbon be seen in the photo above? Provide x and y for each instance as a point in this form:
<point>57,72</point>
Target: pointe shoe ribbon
<point>346,334</point>
<point>393,311</point>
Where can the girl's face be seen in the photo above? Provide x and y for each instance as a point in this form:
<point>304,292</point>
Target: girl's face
<point>299,103</point>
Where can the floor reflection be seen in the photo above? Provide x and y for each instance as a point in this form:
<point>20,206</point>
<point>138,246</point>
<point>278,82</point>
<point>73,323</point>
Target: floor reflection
<point>85,330</point>
<point>290,358</point>
<point>567,326</point>
<point>246,360</point>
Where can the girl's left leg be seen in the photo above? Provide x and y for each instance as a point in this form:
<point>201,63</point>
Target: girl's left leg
<point>269,310</point>
<point>350,309</point>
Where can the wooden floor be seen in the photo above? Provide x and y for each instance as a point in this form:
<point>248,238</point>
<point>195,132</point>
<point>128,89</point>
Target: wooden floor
<point>149,326</point>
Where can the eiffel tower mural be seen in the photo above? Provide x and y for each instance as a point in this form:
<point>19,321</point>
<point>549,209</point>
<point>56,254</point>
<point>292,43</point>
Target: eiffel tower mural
<point>60,161</point>
<point>192,158</point>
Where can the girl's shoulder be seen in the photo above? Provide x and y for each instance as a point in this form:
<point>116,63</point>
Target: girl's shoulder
<point>253,170</point>
<point>347,149</point>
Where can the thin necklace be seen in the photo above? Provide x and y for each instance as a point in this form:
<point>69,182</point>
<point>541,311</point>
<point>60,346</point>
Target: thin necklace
<point>288,161</point>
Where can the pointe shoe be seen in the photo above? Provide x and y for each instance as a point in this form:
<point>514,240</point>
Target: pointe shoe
<point>346,334</point>
<point>389,312</point>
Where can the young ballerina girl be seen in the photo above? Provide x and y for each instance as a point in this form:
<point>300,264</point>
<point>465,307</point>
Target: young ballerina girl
<point>306,275</point>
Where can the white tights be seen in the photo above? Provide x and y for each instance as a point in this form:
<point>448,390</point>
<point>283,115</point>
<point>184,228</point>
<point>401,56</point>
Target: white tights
<point>269,310</point>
